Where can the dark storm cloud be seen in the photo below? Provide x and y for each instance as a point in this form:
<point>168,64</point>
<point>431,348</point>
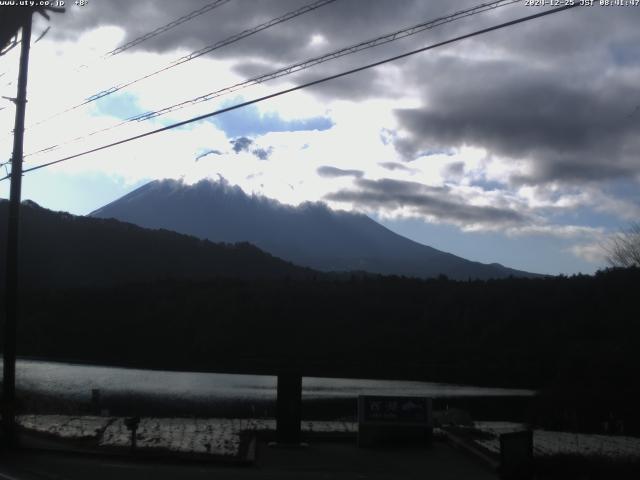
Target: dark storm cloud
<point>344,23</point>
<point>344,20</point>
<point>561,37</point>
<point>547,94</point>
<point>439,202</point>
<point>571,129</point>
<point>327,171</point>
<point>251,69</point>
<point>557,91</point>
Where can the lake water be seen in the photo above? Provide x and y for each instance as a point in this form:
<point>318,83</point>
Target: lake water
<point>76,381</point>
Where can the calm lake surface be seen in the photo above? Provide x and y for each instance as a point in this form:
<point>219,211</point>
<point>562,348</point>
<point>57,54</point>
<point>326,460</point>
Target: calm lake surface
<point>77,381</point>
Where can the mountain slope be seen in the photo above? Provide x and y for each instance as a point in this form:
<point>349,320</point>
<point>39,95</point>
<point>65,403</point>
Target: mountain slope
<point>310,235</point>
<point>63,250</point>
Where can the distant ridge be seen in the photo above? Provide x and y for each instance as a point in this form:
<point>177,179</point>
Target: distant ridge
<point>63,250</point>
<point>310,235</point>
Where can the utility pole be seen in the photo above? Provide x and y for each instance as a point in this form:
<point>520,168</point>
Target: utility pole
<point>11,278</point>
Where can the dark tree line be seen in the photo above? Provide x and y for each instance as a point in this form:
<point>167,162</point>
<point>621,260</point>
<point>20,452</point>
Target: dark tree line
<point>109,292</point>
<point>523,332</point>
<point>576,338</point>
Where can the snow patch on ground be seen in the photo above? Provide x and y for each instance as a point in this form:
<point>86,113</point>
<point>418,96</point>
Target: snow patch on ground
<point>548,443</point>
<point>215,436</point>
<point>65,426</point>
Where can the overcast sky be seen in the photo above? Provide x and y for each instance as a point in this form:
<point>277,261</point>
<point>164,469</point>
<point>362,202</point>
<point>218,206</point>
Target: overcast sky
<point>519,146</point>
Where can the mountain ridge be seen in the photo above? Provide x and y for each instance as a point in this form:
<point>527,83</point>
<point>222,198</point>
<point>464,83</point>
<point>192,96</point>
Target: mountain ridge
<point>310,235</point>
<point>58,249</point>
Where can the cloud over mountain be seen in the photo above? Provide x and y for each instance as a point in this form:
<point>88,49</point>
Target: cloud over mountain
<point>422,200</point>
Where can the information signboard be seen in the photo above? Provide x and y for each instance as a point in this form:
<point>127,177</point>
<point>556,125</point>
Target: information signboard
<point>383,419</point>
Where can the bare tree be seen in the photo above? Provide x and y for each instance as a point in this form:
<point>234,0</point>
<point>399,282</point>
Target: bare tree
<point>623,250</point>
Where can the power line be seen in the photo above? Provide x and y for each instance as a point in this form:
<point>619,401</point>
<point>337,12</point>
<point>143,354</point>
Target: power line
<point>198,53</point>
<point>18,42</point>
<point>381,40</point>
<point>158,31</point>
<point>139,40</point>
<point>210,48</point>
<point>12,44</point>
<point>167,27</point>
<point>9,83</point>
<point>330,56</point>
<point>42,35</point>
<point>5,165</point>
<point>305,85</point>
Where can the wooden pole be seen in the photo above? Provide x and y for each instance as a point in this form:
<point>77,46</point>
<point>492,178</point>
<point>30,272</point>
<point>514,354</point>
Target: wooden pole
<point>11,278</point>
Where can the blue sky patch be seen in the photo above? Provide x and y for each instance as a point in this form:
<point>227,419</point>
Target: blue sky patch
<point>585,217</point>
<point>624,54</point>
<point>435,151</point>
<point>248,121</point>
<point>534,253</point>
<point>120,105</point>
<point>488,185</point>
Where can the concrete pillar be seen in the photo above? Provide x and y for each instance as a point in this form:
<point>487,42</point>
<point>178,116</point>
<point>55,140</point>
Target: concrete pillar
<point>289,408</point>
